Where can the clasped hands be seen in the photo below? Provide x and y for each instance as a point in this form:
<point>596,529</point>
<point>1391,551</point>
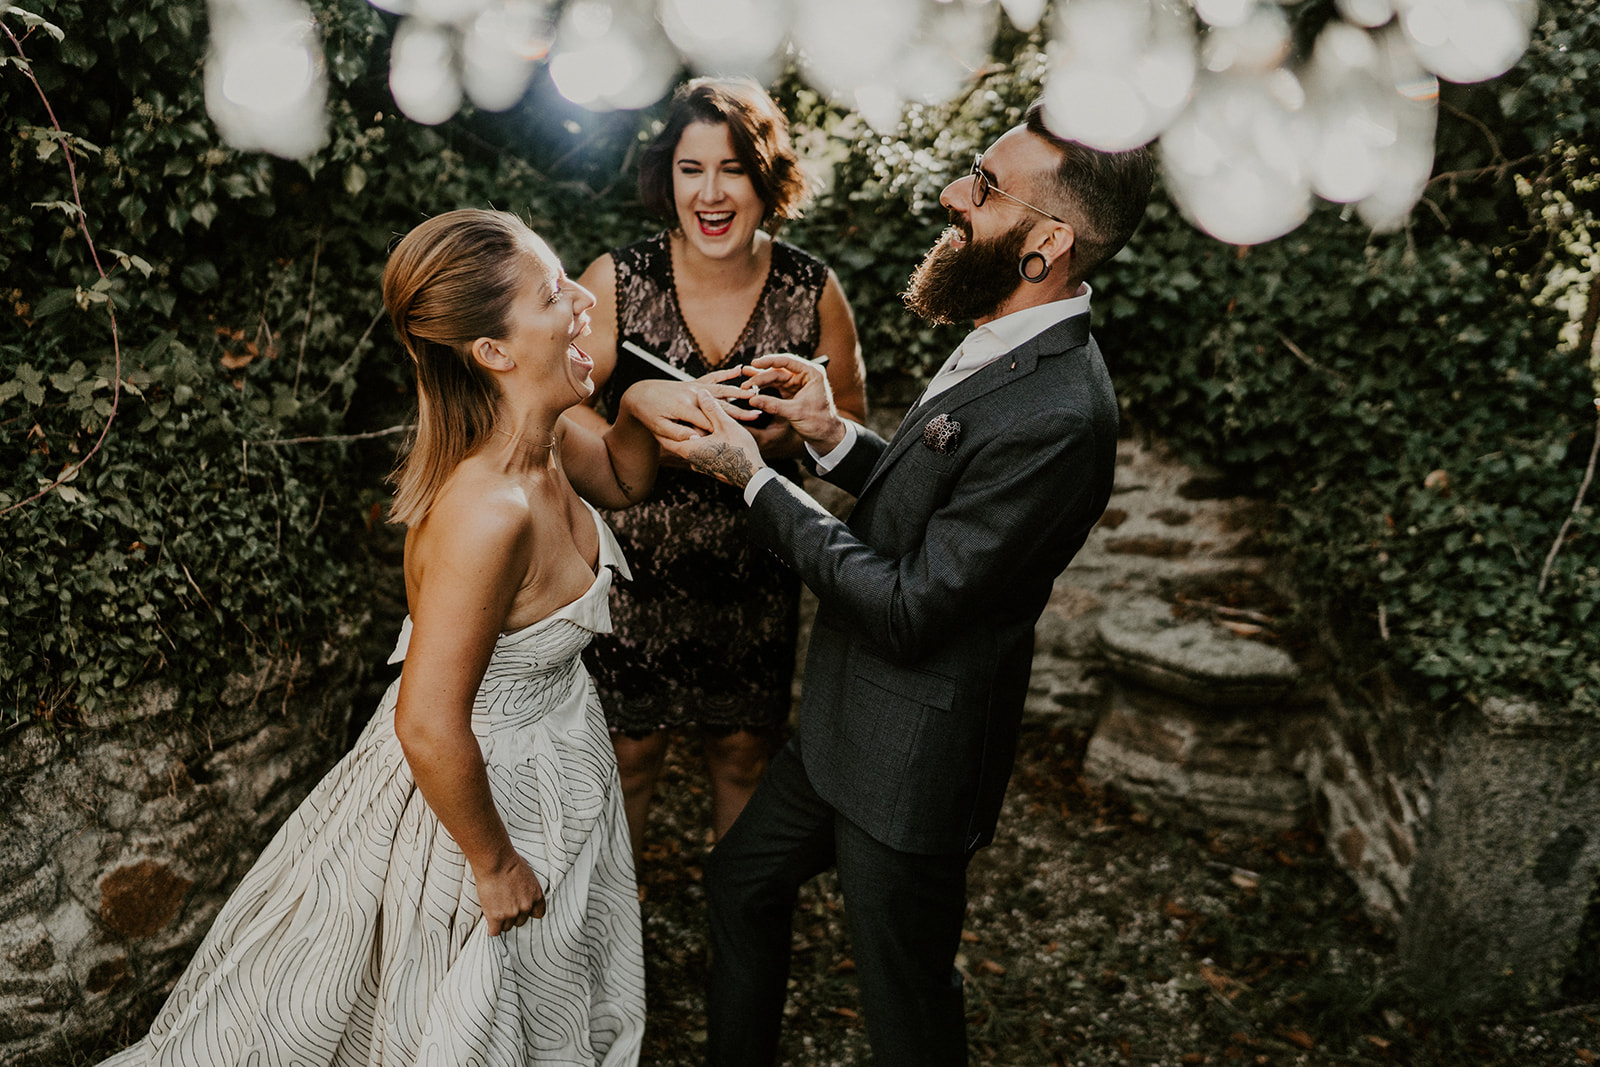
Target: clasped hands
<point>703,422</point>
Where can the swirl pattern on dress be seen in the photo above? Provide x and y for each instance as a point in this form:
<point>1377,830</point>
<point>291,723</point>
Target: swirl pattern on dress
<point>357,937</point>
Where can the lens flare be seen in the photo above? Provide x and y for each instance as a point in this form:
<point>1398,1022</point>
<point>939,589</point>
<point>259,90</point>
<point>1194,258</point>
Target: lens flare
<point>1232,160</point>
<point>729,36</point>
<point>448,12</point>
<point>1408,162</point>
<point>498,51</point>
<point>1225,12</point>
<point>1024,14</point>
<point>265,86</point>
<point>422,72</point>
<point>896,51</point>
<point>1120,72</point>
<point>611,56</point>
<point>1468,40</point>
<point>1250,133</point>
<point>1351,113</point>
<point>1260,43</point>
<point>1366,13</point>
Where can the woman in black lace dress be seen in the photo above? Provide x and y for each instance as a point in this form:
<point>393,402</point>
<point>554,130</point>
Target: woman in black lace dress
<point>705,634</point>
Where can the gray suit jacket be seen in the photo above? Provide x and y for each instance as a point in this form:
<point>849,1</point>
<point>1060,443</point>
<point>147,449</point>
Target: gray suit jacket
<point>923,642</point>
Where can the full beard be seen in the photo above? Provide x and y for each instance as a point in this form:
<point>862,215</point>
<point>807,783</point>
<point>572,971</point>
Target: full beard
<point>955,285</point>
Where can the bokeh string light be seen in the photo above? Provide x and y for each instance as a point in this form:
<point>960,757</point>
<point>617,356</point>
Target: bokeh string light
<point>264,81</point>
<point>1251,133</point>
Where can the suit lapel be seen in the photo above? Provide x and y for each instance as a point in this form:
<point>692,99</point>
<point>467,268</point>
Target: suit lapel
<point>1010,367</point>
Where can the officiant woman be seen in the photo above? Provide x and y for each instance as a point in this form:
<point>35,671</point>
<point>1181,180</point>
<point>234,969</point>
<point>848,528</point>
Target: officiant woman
<point>704,640</point>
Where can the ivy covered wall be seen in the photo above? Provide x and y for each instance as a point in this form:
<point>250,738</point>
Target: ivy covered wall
<point>1416,402</point>
<point>1420,404</point>
<point>207,527</point>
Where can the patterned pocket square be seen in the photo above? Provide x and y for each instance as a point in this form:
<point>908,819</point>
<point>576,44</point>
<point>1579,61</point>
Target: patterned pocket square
<point>941,434</point>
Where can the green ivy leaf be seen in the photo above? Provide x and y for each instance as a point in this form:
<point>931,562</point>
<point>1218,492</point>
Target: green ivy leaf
<point>201,276</point>
<point>54,301</point>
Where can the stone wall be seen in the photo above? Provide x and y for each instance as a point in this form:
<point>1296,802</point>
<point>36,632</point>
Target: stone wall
<point>1160,639</point>
<point>1477,845</point>
<point>118,846</point>
<point>1371,780</point>
<point>1507,860</point>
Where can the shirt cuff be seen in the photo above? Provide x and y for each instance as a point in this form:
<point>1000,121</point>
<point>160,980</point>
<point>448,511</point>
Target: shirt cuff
<point>757,480</point>
<point>832,459</point>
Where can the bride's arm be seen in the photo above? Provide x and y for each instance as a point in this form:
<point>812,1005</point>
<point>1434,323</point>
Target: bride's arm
<point>464,566</point>
<point>616,468</point>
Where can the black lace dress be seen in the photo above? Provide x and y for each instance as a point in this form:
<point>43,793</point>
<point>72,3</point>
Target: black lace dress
<point>705,633</point>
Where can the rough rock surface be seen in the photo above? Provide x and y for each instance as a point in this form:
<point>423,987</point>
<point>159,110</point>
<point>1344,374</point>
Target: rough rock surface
<point>117,851</point>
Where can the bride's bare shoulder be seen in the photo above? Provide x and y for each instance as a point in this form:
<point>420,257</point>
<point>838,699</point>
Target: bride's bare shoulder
<point>478,515</point>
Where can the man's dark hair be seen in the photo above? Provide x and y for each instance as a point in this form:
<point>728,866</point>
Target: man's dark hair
<point>760,136</point>
<point>1102,194</point>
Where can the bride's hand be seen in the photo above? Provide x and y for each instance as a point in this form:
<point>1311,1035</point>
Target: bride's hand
<point>510,896</point>
<point>668,409</point>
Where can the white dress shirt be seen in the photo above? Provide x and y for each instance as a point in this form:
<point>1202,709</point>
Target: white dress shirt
<point>980,348</point>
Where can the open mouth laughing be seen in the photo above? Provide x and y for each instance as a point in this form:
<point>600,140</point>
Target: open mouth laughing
<point>715,223</point>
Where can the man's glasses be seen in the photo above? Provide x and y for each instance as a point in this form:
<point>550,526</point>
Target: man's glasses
<point>982,187</point>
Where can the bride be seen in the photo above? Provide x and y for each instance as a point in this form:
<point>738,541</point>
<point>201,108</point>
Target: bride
<point>388,922</point>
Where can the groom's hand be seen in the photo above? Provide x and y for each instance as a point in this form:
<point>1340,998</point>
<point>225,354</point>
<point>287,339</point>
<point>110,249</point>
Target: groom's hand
<point>804,400</point>
<point>717,444</point>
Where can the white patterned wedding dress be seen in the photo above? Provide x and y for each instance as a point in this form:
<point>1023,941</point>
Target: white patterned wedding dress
<point>357,937</point>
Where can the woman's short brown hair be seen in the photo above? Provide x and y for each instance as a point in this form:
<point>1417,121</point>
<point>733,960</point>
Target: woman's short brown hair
<point>760,136</point>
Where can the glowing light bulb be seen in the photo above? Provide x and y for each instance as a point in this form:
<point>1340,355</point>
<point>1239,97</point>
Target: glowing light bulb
<point>264,82</point>
<point>1468,40</point>
<point>1232,163</point>
<point>422,73</point>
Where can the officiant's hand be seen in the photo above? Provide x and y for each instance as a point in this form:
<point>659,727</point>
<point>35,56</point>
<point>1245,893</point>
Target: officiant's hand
<point>804,400</point>
<point>716,444</point>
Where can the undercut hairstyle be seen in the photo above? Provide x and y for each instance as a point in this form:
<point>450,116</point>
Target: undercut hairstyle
<point>1104,194</point>
<point>760,136</point>
<point>449,282</point>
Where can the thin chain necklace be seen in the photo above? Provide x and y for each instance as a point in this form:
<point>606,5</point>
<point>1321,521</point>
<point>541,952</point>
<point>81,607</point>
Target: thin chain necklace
<point>517,438</point>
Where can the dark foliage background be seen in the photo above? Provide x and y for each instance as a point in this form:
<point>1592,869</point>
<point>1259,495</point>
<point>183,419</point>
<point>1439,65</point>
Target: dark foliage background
<point>245,291</point>
<point>1410,400</point>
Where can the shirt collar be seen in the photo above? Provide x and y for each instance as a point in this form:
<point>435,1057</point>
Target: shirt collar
<point>999,336</point>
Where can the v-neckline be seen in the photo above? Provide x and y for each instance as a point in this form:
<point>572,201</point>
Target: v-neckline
<point>683,320</point>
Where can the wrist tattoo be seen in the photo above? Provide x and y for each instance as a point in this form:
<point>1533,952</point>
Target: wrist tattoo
<point>726,463</point>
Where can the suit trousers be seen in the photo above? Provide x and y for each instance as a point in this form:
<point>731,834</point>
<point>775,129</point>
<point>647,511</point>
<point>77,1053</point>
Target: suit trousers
<point>903,912</point>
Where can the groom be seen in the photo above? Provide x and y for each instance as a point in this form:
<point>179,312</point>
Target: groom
<point>921,650</point>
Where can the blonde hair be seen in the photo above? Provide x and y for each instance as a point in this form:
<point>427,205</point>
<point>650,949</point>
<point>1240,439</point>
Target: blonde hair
<point>449,282</point>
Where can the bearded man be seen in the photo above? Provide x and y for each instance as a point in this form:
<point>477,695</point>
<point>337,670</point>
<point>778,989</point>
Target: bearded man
<point>921,650</point>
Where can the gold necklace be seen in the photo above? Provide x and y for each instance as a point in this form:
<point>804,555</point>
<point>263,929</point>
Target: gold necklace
<point>551,444</point>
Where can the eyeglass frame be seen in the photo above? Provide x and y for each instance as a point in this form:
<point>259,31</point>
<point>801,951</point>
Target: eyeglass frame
<point>982,186</point>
